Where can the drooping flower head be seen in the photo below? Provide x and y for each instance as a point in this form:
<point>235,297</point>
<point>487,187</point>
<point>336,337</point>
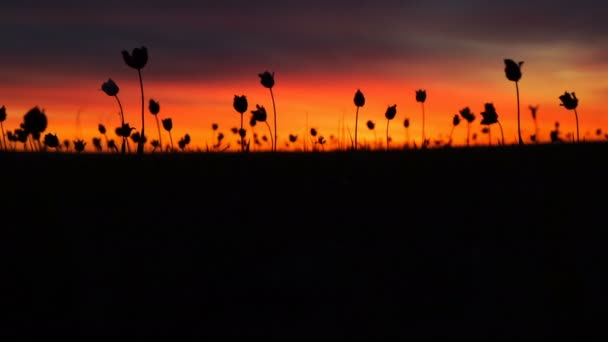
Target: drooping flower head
<point>391,111</point>
<point>167,124</point>
<point>259,114</point>
<point>467,114</point>
<point>154,107</point>
<point>420,95</point>
<point>513,70</point>
<point>569,100</point>
<point>110,87</point>
<point>359,99</point>
<point>51,140</point>
<point>240,104</point>
<point>456,120</point>
<point>489,115</point>
<point>267,79</point>
<point>124,130</point>
<point>138,59</point>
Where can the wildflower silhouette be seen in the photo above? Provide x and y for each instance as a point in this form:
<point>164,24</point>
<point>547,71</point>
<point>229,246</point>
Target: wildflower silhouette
<point>359,102</point>
<point>124,132</point>
<point>421,97</point>
<point>138,60</point>
<point>570,102</point>
<point>154,108</point>
<point>79,145</point>
<point>534,111</point>
<point>513,73</point>
<point>554,135</point>
<point>102,129</point>
<point>111,89</point>
<point>184,142</point>
<point>490,117</point>
<point>293,138</point>
<point>455,122</point>
<point>51,141</point>
<point>240,105</point>
<point>155,144</point>
<point>34,123</point>
<point>371,126</point>
<point>112,145</point>
<point>259,115</point>
<point>390,113</point>
<point>97,144</point>
<point>469,117</point>
<point>168,126</point>
<point>2,119</point>
<point>267,80</point>
<point>406,124</point>
<point>66,145</point>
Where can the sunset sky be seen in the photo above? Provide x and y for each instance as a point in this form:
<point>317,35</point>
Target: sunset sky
<point>56,54</point>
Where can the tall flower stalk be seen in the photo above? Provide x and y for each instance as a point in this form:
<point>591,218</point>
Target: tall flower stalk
<point>490,117</point>
<point>154,108</point>
<point>111,89</point>
<point>455,122</point>
<point>406,124</point>
<point>2,118</point>
<point>240,105</point>
<point>469,117</point>
<point>138,60</point>
<point>260,115</point>
<point>168,126</point>
<point>421,97</point>
<point>391,111</point>
<point>534,111</point>
<point>359,102</point>
<point>267,80</point>
<point>513,73</point>
<point>570,102</point>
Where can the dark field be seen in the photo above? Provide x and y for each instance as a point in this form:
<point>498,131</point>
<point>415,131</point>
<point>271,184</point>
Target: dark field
<point>497,243</point>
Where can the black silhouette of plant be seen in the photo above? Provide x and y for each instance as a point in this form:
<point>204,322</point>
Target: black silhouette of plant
<point>359,102</point>
<point>406,124</point>
<point>554,134</point>
<point>66,145</point>
<point>455,122</point>
<point>138,60</point>
<point>372,127</point>
<point>421,97</point>
<point>293,138</point>
<point>534,111</point>
<point>79,145</point>
<point>12,138</point>
<point>111,89</point>
<point>570,102</point>
<point>469,117</point>
<point>112,145</point>
<point>51,141</point>
<point>267,80</point>
<point>390,114</point>
<point>240,105</point>
<point>513,73</point>
<point>168,126</point>
<point>102,129</point>
<point>321,141</point>
<point>97,144</point>
<point>154,108</point>
<point>490,117</point>
<point>184,142</point>
<point>34,123</point>
<point>2,119</point>
<point>259,115</point>
<point>124,132</point>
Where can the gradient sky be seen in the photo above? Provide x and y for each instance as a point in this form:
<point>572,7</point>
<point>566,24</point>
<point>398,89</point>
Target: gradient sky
<point>56,54</point>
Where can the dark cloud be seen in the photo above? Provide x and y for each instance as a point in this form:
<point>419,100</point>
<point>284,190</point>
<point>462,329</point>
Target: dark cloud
<point>198,40</point>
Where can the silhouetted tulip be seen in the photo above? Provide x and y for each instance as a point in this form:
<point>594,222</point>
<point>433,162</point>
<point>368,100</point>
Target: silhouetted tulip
<point>220,136</point>
<point>406,123</point>
<point>489,117</point>
<point>66,144</point>
<point>124,131</point>
<point>570,102</point>
<point>313,132</point>
<point>391,111</point>
<point>214,126</point>
<point>266,79</point>
<point>420,95</point>
<point>110,87</point>
<point>2,114</point>
<point>456,120</point>
<point>187,139</point>
<point>240,104</point>
<point>242,133</point>
<point>97,144</point>
<point>79,145</point>
<point>168,124</point>
<point>234,130</point>
<point>34,121</point>
<point>101,128</point>
<point>51,141</point>
<point>154,107</point>
<point>112,145</point>
<point>370,124</point>
<point>359,99</point>
<point>259,114</point>
<point>2,118</point>
<point>293,138</point>
<point>155,144</point>
<point>513,70</point>
<point>469,117</point>
<point>138,59</point>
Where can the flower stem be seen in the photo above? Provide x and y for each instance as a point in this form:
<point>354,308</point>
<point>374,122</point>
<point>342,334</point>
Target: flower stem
<point>576,116</point>
<point>270,132</point>
<point>140,144</point>
<point>521,142</point>
<point>451,133</point>
<point>489,136</point>
<point>242,141</point>
<point>356,126</point>
<point>3,137</point>
<point>503,134</point>
<point>160,139</point>
<point>274,109</point>
<point>122,123</point>
<point>423,136</point>
<point>387,141</point>
<point>468,132</point>
<point>171,139</point>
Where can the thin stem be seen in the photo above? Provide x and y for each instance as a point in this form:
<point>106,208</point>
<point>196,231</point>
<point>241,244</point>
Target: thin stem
<point>576,116</point>
<point>423,135</point>
<point>387,140</point>
<point>122,123</point>
<point>242,141</point>
<point>356,126</point>
<point>536,130</point>
<point>274,109</point>
<point>3,137</point>
<point>502,133</point>
<point>489,135</point>
<point>451,133</point>
<point>140,145</point>
<point>468,132</point>
<point>521,142</point>
<point>160,139</point>
<point>171,138</point>
<point>270,131</point>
